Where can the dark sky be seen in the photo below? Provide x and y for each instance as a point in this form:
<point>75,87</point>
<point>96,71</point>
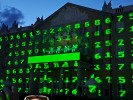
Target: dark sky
<point>26,11</point>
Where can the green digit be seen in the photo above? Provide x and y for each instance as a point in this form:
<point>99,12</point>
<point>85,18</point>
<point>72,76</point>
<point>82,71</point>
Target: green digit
<point>109,79</point>
<point>18,36</point>
<point>108,55</point>
<point>98,80</point>
<point>119,17</point>
<point>108,20</point>
<point>14,71</point>
<point>132,66</point>
<point>120,42</point>
<point>11,46</point>
<point>120,66</point>
<point>76,63</point>
<point>13,80</point>
<point>52,30</point>
<point>66,91</point>
<point>97,33</point>
<point>12,37</point>
<point>20,80</point>
<point>31,35</point>
<point>131,53</point>
<point>65,64</point>
<point>97,22</point>
<point>121,54</point>
<point>108,66</point>
<point>77,26</point>
<point>108,43</point>
<point>56,64</point>
<point>97,67</point>
<point>108,31</point>
<point>131,29</point>
<point>122,79</point>
<point>122,93</point>
<point>10,54</point>
<point>87,24</point>
<point>0,39</point>
<point>131,16</point>
<point>97,56</point>
<point>131,40</point>
<point>120,29</point>
<point>67,80</point>
<point>24,35</point>
<point>92,88</point>
<point>74,79</point>
<point>60,29</point>
<point>19,89</point>
<point>97,44</point>
<point>74,91</point>
<point>38,32</point>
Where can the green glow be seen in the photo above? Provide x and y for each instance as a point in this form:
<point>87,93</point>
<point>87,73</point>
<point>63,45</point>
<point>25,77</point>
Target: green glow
<point>120,42</point>
<point>131,16</point>
<point>97,67</point>
<point>108,43</point>
<point>10,54</point>
<point>119,18</point>
<point>97,44</point>
<point>120,66</point>
<point>121,54</point>
<point>11,46</point>
<point>97,56</point>
<point>108,20</point>
<point>97,33</point>
<point>131,29</point>
<point>92,88</point>
<point>109,79</point>
<point>122,93</point>
<point>108,66</point>
<point>120,29</point>
<point>97,22</point>
<point>54,58</point>
<point>108,31</point>
<point>23,44</point>
<point>87,24</point>
<point>122,79</point>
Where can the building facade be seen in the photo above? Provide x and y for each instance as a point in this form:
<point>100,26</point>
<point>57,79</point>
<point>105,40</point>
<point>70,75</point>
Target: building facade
<point>77,51</point>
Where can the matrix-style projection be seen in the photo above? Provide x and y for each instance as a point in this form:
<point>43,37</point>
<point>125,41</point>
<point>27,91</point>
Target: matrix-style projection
<point>86,58</point>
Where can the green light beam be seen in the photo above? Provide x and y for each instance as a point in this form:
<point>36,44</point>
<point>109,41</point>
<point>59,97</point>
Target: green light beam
<point>54,58</point>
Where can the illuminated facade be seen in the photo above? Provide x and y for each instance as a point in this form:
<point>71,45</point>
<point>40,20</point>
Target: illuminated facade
<point>60,54</point>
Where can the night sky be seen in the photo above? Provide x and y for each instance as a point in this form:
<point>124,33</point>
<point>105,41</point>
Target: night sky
<point>26,11</point>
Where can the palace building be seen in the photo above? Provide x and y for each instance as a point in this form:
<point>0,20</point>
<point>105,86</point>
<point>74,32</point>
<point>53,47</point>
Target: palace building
<point>76,51</point>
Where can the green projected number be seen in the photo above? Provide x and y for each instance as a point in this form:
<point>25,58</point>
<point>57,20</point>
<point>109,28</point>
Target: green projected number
<point>119,17</point>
